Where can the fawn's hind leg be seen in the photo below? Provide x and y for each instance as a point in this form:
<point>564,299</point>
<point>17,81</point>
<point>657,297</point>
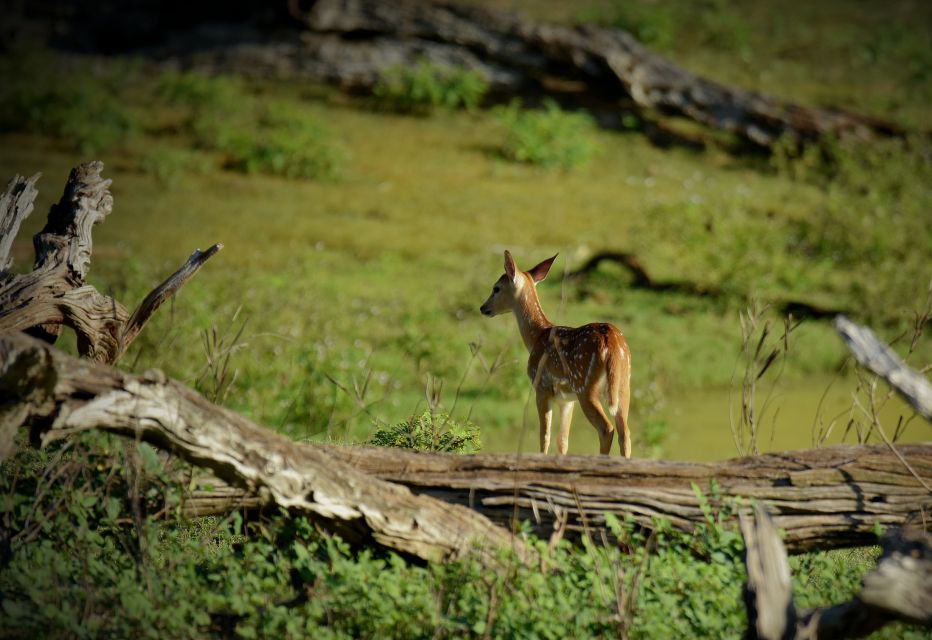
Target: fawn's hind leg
<point>592,407</point>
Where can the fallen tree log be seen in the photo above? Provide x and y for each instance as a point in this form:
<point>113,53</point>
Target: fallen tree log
<point>352,43</point>
<point>610,61</point>
<point>57,395</point>
<point>822,498</point>
<point>829,497</point>
<point>900,588</point>
<point>54,293</point>
<point>832,497</point>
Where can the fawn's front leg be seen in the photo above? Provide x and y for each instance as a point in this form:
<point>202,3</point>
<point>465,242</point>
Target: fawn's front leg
<point>566,420</point>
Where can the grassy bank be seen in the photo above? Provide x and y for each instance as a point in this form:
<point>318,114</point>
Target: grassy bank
<point>371,265</point>
<point>359,243</point>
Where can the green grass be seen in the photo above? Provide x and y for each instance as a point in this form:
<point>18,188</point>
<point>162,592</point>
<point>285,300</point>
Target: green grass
<point>77,560</point>
<point>358,247</point>
<point>374,267</point>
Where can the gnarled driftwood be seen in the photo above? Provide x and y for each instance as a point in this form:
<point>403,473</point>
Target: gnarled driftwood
<point>54,293</point>
<point>900,588</point>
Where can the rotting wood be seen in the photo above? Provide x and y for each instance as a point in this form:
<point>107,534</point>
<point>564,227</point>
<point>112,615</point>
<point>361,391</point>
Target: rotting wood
<point>642,279</point>
<point>57,395</point>
<point>54,293</point>
<point>830,497</point>
<point>900,588</point>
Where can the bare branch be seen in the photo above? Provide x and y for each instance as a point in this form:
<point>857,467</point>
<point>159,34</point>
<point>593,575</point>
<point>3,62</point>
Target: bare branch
<point>879,358</point>
<point>160,294</point>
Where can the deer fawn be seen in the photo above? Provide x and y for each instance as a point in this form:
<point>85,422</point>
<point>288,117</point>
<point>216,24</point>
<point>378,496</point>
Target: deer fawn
<point>567,364</point>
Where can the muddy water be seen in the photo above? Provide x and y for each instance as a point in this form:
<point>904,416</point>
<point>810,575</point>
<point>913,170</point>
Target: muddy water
<point>698,423</point>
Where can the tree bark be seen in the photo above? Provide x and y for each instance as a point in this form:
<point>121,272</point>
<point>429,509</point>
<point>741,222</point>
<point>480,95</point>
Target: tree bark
<point>822,498</point>
<point>831,497</point>
<point>57,395</point>
<point>54,293</point>
<point>900,588</point>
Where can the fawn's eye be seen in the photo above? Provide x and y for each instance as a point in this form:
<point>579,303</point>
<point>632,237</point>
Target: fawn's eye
<point>496,289</point>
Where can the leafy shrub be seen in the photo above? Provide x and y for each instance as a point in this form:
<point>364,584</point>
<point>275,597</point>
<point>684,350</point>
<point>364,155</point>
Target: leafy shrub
<point>169,163</point>
<point>430,432</point>
<point>871,218</point>
<point>657,24</point>
<point>427,87</point>
<point>67,99</point>
<point>286,142</point>
<point>80,556</point>
<point>256,135</point>
<point>549,137</point>
<point>198,91</point>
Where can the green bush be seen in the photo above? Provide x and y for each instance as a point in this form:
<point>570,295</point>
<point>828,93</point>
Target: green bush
<point>255,135</point>
<point>81,555</point>
<point>871,218</point>
<point>198,91</point>
<point>287,142</point>
<point>430,432</point>
<point>168,164</point>
<point>548,137</point>
<point>84,106</point>
<point>427,87</point>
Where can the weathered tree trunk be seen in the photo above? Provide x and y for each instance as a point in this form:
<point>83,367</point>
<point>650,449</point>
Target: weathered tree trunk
<point>900,588</point>
<point>509,49</point>
<point>57,395</point>
<point>54,293</point>
<point>828,497</point>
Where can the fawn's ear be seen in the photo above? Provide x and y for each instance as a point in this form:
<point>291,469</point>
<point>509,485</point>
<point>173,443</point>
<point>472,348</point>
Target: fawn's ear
<point>540,272</point>
<point>510,267</point>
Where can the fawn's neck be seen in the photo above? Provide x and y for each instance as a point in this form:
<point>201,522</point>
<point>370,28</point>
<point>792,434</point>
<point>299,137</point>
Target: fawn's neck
<point>531,319</point>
